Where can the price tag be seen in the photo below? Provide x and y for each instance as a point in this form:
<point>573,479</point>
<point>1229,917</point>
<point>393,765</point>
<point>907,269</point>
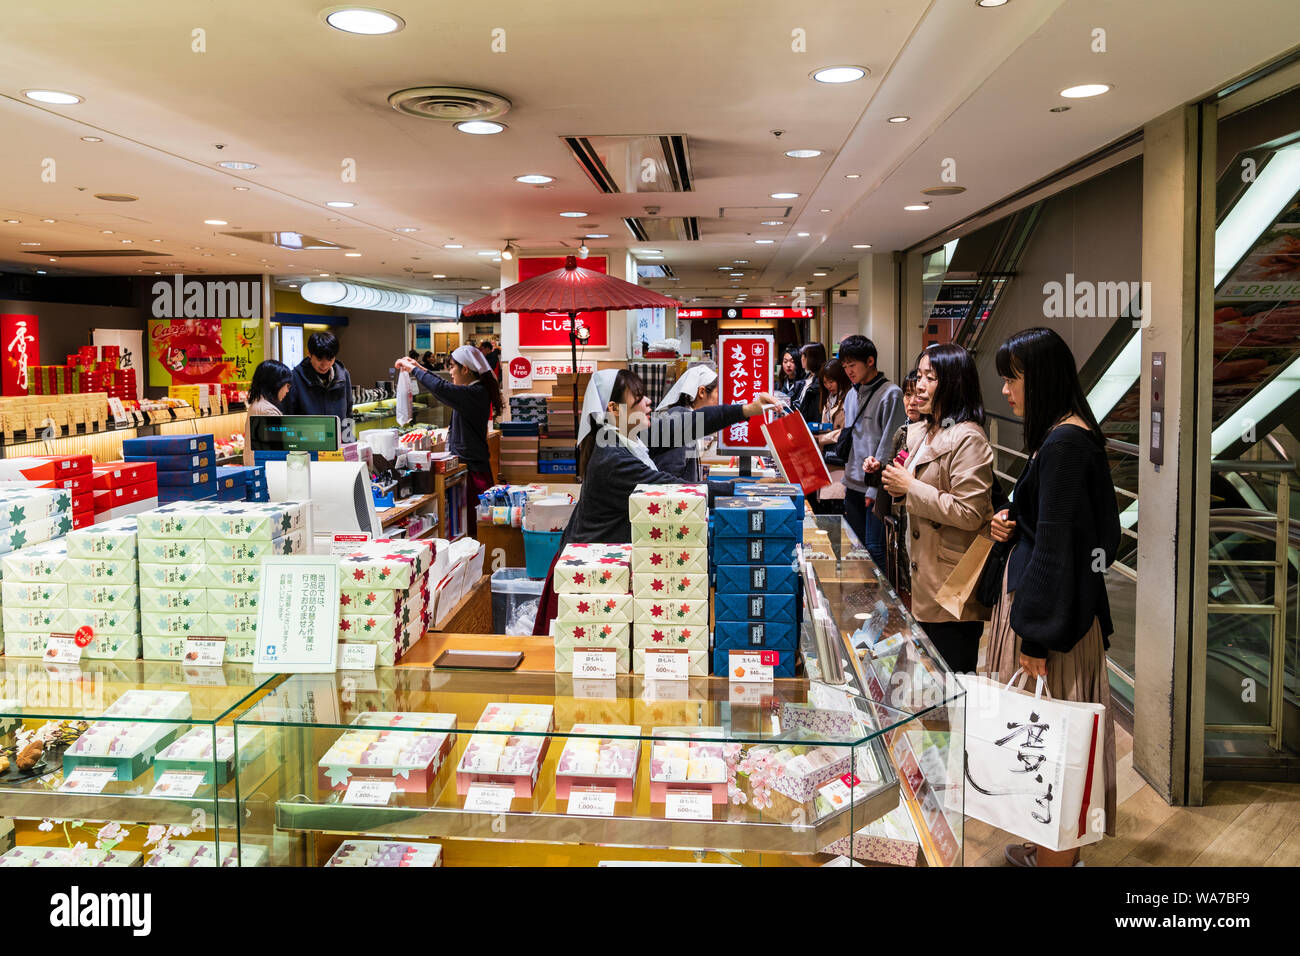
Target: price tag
<point>597,662</point>
<point>751,666</point>
<point>347,543</point>
<point>595,689</point>
<point>665,690</point>
<point>688,805</point>
<point>205,676</point>
<point>204,651</point>
<point>489,798</point>
<point>592,802</point>
<point>668,664</point>
<point>62,649</point>
<point>88,779</point>
<point>177,783</point>
<point>357,656</point>
<point>839,792</point>
<point>369,792</point>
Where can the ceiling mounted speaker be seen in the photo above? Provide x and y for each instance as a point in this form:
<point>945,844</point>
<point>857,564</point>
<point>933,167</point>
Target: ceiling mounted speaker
<point>944,190</point>
<point>449,104</point>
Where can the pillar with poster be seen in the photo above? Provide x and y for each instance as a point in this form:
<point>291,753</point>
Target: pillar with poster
<point>745,370</point>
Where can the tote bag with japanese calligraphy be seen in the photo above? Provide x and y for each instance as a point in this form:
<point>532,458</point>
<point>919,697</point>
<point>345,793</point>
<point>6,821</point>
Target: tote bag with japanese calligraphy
<point>1033,764</point>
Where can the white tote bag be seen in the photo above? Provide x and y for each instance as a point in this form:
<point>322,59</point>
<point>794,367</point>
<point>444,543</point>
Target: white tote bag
<point>1034,765</point>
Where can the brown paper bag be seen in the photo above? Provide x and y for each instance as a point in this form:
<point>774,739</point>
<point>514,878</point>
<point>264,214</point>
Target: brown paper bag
<point>959,589</point>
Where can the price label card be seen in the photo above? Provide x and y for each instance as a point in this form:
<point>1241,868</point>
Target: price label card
<point>205,651</point>
<point>668,665</point>
<point>665,690</point>
<point>357,656</point>
<point>688,805</point>
<point>597,662</point>
<point>369,793</point>
<point>751,666</point>
<point>595,689</point>
<point>592,802</point>
<point>489,798</point>
<point>177,783</point>
<point>839,792</point>
<point>88,779</point>
<point>62,649</point>
<point>347,543</point>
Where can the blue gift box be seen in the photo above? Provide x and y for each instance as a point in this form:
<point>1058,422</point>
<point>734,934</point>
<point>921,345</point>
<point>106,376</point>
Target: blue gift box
<point>205,478</point>
<point>168,496</point>
<point>733,550</point>
<point>152,446</point>
<point>720,488</point>
<point>757,579</point>
<point>775,608</point>
<point>177,462</point>
<point>757,518</point>
<point>755,635</point>
<point>783,668</point>
<point>753,489</point>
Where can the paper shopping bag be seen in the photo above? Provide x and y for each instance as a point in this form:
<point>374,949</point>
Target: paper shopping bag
<point>800,459</point>
<point>1033,765</point>
<point>956,592</point>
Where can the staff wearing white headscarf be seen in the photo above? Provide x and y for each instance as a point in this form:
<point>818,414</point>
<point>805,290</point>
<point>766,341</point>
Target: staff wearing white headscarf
<point>689,412</point>
<point>471,395</point>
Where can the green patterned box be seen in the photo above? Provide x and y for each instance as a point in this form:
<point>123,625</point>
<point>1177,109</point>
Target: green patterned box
<point>258,521</point>
<point>166,623</point>
<point>105,620</point>
<point>219,576</point>
<point>35,619</point>
<point>122,647</point>
<point>171,575</point>
<point>34,531</point>
<point>99,571</point>
<point>232,625</point>
<point>161,648</point>
<point>232,601</point>
<point>34,594</point>
<point>44,562</point>
<point>252,551</point>
<point>171,599</point>
<point>112,539</point>
<point>116,596</point>
<point>20,503</point>
<point>172,550</point>
<point>180,520</point>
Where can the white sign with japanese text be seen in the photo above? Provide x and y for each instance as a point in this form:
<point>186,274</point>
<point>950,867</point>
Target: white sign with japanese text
<point>298,621</point>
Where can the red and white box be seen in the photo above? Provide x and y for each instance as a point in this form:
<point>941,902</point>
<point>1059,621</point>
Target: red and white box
<point>45,468</point>
<point>82,519</point>
<point>114,474</point>
<point>508,747</point>
<point>603,755</point>
<point>688,758</point>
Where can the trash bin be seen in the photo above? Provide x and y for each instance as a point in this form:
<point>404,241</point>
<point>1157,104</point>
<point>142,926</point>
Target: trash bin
<point>514,601</point>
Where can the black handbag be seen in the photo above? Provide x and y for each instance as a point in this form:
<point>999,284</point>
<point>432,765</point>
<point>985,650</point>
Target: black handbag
<point>839,453</point>
<point>988,590</point>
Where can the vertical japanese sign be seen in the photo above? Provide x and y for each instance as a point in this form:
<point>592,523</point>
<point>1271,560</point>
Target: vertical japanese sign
<point>298,622</point>
<point>745,369</point>
<point>22,348</point>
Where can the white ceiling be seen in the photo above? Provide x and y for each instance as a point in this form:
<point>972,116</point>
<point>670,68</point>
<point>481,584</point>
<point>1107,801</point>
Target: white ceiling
<point>279,88</point>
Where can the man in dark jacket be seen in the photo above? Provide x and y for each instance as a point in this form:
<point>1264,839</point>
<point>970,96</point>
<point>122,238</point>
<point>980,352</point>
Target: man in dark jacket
<point>321,384</point>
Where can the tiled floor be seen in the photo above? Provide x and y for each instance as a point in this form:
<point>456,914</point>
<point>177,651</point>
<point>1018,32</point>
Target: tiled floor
<point>1241,824</point>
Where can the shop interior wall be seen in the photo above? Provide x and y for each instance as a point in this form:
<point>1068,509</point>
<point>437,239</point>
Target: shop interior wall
<point>65,327</point>
<point>370,343</point>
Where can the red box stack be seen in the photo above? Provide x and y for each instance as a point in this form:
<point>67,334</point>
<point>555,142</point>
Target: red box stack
<point>73,472</point>
<point>124,488</point>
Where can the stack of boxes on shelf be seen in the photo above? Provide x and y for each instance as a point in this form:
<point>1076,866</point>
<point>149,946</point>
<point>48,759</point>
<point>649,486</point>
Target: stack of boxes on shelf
<point>593,586</point>
<point>384,595</point>
<point>242,483</point>
<point>519,451</point>
<point>670,578</point>
<point>559,414</point>
<point>187,465</point>
<point>528,407</point>
<point>102,574</point>
<point>34,590</point>
<point>33,415</point>
<point>557,456</point>
<point>92,369</point>
<point>204,399</point>
<point>756,597</point>
<point>124,488</point>
<point>70,473</point>
<point>200,571</point>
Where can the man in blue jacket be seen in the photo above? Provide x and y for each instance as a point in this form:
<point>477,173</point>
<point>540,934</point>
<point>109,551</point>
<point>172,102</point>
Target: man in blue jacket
<point>321,384</point>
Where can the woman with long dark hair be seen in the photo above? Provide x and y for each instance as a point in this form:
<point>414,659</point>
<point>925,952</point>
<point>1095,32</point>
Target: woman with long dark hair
<point>1053,618</point>
<point>809,397</point>
<point>946,485</point>
<point>472,394</point>
<point>267,391</point>
<point>689,413</point>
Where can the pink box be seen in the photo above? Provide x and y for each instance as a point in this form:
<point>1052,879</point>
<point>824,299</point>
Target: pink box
<point>680,763</point>
<point>592,760</point>
<point>512,752</point>
<point>381,748</point>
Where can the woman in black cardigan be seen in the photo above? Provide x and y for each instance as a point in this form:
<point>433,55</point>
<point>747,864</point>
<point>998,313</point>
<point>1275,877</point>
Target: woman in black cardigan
<point>1053,618</point>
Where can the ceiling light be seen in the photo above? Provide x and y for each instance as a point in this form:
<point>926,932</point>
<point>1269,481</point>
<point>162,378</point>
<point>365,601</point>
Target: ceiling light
<point>652,257</point>
<point>485,287</point>
<point>47,220</point>
<point>803,235</point>
<point>649,252</point>
<point>480,127</point>
<point>741,262</point>
<point>241,189</point>
<point>852,176</point>
<point>487,252</point>
<point>233,164</point>
<point>818,275</point>
<point>215,222</point>
<point>340,204</point>
<point>573,215</point>
<point>324,275</point>
<point>292,286</point>
<point>438,275</point>
<point>206,255</point>
<point>364,20</point>
<point>350,255</point>
<point>738,275</point>
<point>596,235</point>
<point>54,97</point>
<point>407,229</point>
<point>52,259</point>
<point>331,219</point>
<point>40,272</point>
<point>898,119</point>
<point>583,251</point>
<point>862,245</point>
<point>155,240</point>
<point>452,245</point>
<point>106,232</point>
<point>534,179</point>
<point>839,74</point>
<point>1085,90</point>
<point>785,195</point>
<point>764,242</point>
<point>772,222</point>
<point>724,268</point>
<point>13,222</point>
<point>92,139</point>
<point>29,243</point>
<point>126,240</point>
<point>991,3</point>
<point>917,207</point>
<point>803,153</point>
<point>196,248</point>
<point>508,252</point>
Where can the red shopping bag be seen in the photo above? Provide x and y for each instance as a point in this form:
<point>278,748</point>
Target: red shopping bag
<point>800,458</point>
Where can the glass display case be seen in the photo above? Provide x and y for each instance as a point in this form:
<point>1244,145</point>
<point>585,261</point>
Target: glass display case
<point>123,763</point>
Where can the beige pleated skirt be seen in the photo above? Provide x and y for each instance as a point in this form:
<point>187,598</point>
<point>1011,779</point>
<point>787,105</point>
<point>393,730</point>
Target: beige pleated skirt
<point>1079,675</point>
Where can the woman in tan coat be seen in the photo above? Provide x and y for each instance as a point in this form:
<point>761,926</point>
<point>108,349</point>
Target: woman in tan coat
<point>945,483</point>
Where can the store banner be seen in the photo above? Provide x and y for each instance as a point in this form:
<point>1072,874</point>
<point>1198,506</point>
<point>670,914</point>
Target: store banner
<point>551,329</point>
<point>21,336</point>
<point>130,343</point>
<point>549,371</point>
<point>745,368</point>
<point>203,351</point>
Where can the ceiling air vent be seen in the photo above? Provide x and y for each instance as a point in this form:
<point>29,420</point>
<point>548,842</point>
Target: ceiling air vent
<point>95,253</point>
<point>944,190</point>
<point>449,104</point>
<point>654,229</point>
<point>634,164</point>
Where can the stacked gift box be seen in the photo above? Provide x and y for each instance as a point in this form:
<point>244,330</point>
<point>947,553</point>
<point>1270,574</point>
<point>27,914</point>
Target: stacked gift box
<point>384,596</point>
<point>77,379</point>
<point>670,573</point>
<point>31,517</point>
<point>528,407</point>
<point>71,473</point>
<point>124,488</point>
<point>187,465</point>
<point>201,571</point>
<point>557,456</point>
<point>519,452</point>
<point>593,587</point>
<point>756,594</point>
<point>32,415</point>
<point>559,415</point>
<point>242,483</point>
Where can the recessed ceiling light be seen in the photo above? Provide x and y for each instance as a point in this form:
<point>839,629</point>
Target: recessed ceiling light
<point>917,207</point>
<point>1059,109</point>
<point>741,262</point>
<point>596,235</point>
<point>480,127</point>
<point>803,153</point>
<point>106,232</point>
<point>47,220</point>
<point>155,240</point>
<point>126,240</point>
<point>439,275</point>
<point>55,97</point>
<point>29,243</point>
<point>764,242</point>
<point>724,268</point>
<point>772,222</point>
<point>241,189</point>
<point>40,272</point>
<point>52,259</point>
<point>818,275</point>
<point>92,139</point>
<point>573,215</point>
<point>452,245</point>
<point>852,176</point>
<point>862,245</point>
<point>364,20</point>
<point>649,252</point>
<point>652,257</point>
<point>292,286</point>
<point>991,3</point>
<point>350,255</point>
<point>340,204</point>
<point>13,222</point>
<point>534,179</point>
<point>803,235</point>
<point>234,164</point>
<point>1085,90</point>
<point>785,195</point>
<point>407,229</point>
<point>205,255</point>
<point>485,287</point>
<point>823,210</point>
<point>487,252</point>
<point>215,222</point>
<point>324,275</point>
<point>839,74</point>
<point>737,275</point>
<point>898,119</point>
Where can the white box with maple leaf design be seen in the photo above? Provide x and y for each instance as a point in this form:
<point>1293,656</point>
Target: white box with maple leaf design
<point>34,594</point>
<point>21,502</point>
<point>677,611</point>
<point>376,627</point>
<point>665,559</point>
<point>44,562</point>
<point>109,596</point>
<point>242,576</point>
<point>614,608</point>
<point>367,600</point>
<point>386,570</point>
<point>260,521</point>
<point>253,550</point>
<point>173,599</point>
<point>35,619</point>
<point>170,551</point>
<point>689,533</point>
<point>654,584</point>
<point>589,634</point>
<point>167,623</point>
<point>110,539</point>
<point>564,657</point>
<point>179,520</point>
<point>171,575</point>
<point>594,569</point>
<point>232,625</point>
<point>34,531</point>
<point>159,647</point>
<point>657,504</point>
<point>104,620</point>
<point>232,600</point>
<point>690,637</point>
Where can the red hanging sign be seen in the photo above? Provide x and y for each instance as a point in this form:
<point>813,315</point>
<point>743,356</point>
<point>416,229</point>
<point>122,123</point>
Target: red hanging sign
<point>551,329</point>
<point>22,347</point>
<point>745,369</point>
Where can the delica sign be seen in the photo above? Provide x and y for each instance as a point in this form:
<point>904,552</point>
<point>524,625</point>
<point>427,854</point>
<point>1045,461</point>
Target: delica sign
<point>207,298</point>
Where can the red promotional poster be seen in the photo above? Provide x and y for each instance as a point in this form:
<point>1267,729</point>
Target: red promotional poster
<point>212,351</point>
<point>551,329</point>
<point>21,336</point>
<point>745,368</point>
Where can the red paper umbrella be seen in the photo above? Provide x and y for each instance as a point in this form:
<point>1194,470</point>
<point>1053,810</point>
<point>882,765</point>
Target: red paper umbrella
<point>571,290</point>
